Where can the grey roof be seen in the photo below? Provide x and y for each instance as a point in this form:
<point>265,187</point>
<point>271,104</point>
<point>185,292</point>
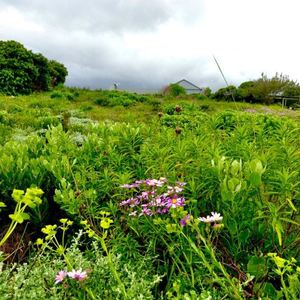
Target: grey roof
<point>184,80</point>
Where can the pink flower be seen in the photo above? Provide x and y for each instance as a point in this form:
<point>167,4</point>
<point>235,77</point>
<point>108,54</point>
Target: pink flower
<point>78,275</point>
<point>185,220</point>
<point>60,277</point>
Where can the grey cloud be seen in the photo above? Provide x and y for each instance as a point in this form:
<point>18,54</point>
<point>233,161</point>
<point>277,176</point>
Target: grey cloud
<point>95,16</point>
<point>87,36</point>
<point>106,15</point>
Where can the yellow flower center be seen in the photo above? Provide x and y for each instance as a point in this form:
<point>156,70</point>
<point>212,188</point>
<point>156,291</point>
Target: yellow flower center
<point>174,201</point>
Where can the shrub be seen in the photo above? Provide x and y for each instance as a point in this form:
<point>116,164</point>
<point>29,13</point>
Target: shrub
<point>175,90</point>
<point>57,95</point>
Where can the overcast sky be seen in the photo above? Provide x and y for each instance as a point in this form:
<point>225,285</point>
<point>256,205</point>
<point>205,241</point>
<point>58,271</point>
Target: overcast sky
<point>147,44</point>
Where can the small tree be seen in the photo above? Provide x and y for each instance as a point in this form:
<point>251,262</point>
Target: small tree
<point>174,90</point>
<point>226,93</point>
<point>207,92</point>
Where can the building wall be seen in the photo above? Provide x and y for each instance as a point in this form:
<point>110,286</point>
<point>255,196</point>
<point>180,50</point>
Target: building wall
<point>193,91</point>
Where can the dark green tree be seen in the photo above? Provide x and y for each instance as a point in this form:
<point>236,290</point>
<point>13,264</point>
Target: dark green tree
<point>226,93</point>
<point>58,73</point>
<point>43,79</point>
<point>17,70</point>
<point>23,72</point>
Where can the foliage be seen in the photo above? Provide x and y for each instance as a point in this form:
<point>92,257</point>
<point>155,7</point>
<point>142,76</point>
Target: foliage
<point>227,93</point>
<point>29,199</point>
<point>36,279</point>
<point>58,73</point>
<point>119,98</point>
<point>207,92</point>
<point>240,201</point>
<point>22,71</point>
<point>174,90</point>
<point>263,90</point>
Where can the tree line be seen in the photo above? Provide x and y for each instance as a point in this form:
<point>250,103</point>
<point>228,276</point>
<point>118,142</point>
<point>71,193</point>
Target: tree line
<point>263,90</point>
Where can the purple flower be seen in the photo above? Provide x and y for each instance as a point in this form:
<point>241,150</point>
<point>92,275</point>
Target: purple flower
<point>175,202</point>
<point>78,275</point>
<point>145,195</point>
<point>185,220</point>
<point>130,186</point>
<point>174,189</point>
<point>155,182</point>
<point>146,211</point>
<point>131,202</point>
<point>60,277</point>
<point>126,186</point>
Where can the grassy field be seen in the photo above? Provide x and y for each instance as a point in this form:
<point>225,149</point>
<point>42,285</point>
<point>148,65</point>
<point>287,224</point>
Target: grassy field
<point>112,195</point>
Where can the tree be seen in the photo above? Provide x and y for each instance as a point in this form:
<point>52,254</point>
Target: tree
<point>42,80</point>
<point>22,71</point>
<point>58,73</point>
<point>207,92</point>
<point>17,69</point>
<point>265,89</point>
<point>226,93</point>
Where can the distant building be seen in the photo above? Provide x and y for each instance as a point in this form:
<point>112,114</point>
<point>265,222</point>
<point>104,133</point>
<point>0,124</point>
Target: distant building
<point>189,87</point>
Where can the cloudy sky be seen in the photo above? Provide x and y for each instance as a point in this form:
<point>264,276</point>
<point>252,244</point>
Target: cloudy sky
<point>146,44</point>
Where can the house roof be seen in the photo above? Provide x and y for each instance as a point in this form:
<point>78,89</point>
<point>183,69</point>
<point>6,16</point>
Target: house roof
<point>184,80</point>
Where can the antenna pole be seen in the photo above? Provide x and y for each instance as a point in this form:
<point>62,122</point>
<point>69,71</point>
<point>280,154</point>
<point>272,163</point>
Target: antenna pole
<point>224,77</point>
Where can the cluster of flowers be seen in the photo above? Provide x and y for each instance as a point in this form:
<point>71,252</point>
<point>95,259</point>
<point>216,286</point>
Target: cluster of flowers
<point>151,200</point>
<point>78,275</point>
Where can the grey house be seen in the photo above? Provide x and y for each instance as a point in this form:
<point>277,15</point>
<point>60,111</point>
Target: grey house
<point>189,87</point>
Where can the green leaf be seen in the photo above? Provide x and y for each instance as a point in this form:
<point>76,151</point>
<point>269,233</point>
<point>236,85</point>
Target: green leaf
<point>279,229</point>
<point>19,217</point>
<point>257,266</point>
<point>17,195</point>
<point>255,179</point>
<point>291,204</point>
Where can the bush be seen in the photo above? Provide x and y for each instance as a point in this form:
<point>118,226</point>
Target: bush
<point>226,93</point>
<point>175,90</point>
<point>56,95</point>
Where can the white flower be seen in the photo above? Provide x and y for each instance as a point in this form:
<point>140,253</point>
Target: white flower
<point>205,220</point>
<point>215,217</point>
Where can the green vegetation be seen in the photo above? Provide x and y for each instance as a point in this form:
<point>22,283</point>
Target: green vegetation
<point>263,90</point>
<point>147,197</point>
<point>22,71</point>
<point>174,90</point>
